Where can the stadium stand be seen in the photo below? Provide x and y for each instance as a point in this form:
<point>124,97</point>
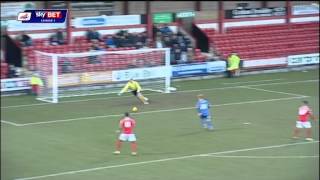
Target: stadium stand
<point>80,44</point>
<point>180,45</point>
<point>266,41</point>
<point>4,70</point>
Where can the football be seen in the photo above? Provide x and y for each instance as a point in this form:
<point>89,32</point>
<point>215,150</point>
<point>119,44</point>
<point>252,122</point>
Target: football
<point>134,109</point>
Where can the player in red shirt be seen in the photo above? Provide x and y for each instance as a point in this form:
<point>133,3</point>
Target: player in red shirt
<point>126,125</point>
<point>303,121</point>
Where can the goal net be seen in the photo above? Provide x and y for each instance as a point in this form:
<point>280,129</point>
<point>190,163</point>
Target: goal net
<point>101,72</point>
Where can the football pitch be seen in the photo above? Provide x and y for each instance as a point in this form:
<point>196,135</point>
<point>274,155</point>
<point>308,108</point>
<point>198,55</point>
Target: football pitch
<point>253,116</point>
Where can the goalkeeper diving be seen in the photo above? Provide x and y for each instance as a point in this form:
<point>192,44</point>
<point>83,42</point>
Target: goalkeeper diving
<point>135,88</point>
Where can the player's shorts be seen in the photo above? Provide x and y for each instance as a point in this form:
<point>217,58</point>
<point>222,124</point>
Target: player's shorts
<point>127,137</point>
<point>207,118</point>
<point>305,124</point>
<point>135,92</point>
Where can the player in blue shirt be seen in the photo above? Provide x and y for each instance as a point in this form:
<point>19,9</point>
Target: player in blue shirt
<point>203,108</point>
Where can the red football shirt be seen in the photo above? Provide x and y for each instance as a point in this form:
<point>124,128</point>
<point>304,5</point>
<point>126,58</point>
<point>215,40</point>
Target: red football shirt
<point>304,113</point>
<point>127,124</point>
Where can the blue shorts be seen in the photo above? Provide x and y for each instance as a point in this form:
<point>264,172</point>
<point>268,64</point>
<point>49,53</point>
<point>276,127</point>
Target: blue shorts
<point>205,117</point>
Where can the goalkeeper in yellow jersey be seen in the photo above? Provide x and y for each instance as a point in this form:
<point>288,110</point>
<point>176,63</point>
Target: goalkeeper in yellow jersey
<point>135,88</point>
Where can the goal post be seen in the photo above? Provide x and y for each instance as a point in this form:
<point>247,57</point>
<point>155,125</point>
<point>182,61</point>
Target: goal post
<point>101,72</point>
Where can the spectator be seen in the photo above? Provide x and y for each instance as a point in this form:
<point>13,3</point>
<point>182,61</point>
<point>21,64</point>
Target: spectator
<point>144,37</point>
<point>179,33</point>
<point>189,54</point>
<point>94,59</point>
<point>167,41</point>
<point>233,65</point>
<point>213,54</point>
<point>175,46</point>
<point>25,39</point>
<point>165,29</point>
<point>131,39</point>
<point>184,58</point>
<point>159,43</point>
<point>12,71</point>
<point>187,41</point>
<point>110,42</point>
<point>180,39</point>
<point>139,45</point>
<point>95,45</point>
<point>183,47</point>
<point>158,34</point>
<point>149,43</point>
<point>138,38</point>
<point>60,37</point>
<point>91,35</point>
<point>121,33</point>
<point>116,40</point>
<point>177,54</point>
<point>123,42</point>
<point>53,40</point>
<point>35,83</point>
<point>174,39</point>
<point>66,66</point>
<point>18,71</point>
<point>137,63</point>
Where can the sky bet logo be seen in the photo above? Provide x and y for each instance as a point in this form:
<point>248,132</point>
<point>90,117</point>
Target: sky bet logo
<point>43,16</point>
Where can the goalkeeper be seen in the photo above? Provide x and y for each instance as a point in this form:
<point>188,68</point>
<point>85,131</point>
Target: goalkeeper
<point>135,88</point>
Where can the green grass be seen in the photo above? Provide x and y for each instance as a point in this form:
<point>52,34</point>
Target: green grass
<point>87,141</point>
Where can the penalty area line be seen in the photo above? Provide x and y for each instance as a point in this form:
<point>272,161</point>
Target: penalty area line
<point>245,82</point>
<point>156,111</point>
<point>162,160</point>
<point>263,157</point>
<point>10,123</point>
<point>183,91</point>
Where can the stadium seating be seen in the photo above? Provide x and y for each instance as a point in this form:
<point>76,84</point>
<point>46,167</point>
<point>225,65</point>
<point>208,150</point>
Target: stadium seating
<point>266,41</point>
<point>84,46</point>
<point>4,70</point>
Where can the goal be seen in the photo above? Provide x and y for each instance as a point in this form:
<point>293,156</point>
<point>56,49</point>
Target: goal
<point>101,72</point>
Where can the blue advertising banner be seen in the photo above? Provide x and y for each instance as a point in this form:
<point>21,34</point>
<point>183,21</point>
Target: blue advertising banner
<point>189,69</point>
<point>14,84</point>
<point>198,68</point>
<point>216,66</point>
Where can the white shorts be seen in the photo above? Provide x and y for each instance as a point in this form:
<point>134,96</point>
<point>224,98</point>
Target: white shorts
<point>306,124</point>
<point>127,137</point>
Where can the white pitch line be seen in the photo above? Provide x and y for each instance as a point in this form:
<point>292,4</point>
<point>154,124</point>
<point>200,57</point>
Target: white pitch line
<point>162,160</point>
<point>183,91</point>
<point>279,92</point>
<point>264,157</point>
<point>264,80</point>
<point>156,111</point>
<point>280,83</point>
<point>9,122</point>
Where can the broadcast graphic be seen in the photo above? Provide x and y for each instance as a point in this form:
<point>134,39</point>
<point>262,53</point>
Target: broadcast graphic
<point>43,16</point>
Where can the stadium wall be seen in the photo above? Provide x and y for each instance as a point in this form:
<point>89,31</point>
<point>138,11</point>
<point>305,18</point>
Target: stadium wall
<point>44,34</point>
<point>203,24</point>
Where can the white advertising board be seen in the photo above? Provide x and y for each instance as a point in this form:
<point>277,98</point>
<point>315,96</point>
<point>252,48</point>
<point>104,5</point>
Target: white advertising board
<point>141,73</point>
<point>264,62</point>
<point>303,59</point>
<point>99,21</point>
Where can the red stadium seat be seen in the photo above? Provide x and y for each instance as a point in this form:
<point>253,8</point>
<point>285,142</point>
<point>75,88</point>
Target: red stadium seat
<point>267,40</point>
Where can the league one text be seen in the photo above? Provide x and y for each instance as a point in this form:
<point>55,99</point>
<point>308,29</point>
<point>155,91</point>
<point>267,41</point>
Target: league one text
<point>43,16</point>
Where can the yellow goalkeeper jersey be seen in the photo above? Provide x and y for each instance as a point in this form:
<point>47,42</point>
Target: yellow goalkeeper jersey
<point>132,85</point>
